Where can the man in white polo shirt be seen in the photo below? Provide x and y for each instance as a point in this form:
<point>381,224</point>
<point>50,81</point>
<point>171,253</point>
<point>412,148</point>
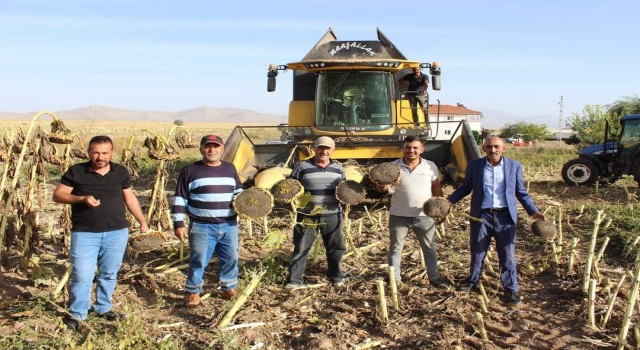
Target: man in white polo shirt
<point>418,183</point>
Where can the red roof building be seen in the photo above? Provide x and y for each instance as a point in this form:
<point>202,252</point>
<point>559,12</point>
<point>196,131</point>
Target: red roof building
<point>449,118</point>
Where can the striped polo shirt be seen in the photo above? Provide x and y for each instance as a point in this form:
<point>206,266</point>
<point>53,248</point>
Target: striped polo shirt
<point>321,183</point>
<point>205,194</point>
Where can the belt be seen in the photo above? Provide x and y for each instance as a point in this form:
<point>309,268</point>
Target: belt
<point>495,210</point>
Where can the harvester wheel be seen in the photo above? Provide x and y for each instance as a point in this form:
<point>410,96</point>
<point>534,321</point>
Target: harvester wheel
<point>580,172</point>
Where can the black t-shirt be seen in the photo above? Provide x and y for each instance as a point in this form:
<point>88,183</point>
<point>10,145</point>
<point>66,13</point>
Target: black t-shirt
<point>110,214</point>
<point>416,84</point>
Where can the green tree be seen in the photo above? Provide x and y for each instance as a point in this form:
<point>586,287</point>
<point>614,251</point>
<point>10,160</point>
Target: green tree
<point>529,131</point>
<point>589,125</point>
<point>622,107</point>
<point>178,122</point>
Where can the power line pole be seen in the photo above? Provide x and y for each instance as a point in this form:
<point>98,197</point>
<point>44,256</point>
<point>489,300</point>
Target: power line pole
<point>560,120</point>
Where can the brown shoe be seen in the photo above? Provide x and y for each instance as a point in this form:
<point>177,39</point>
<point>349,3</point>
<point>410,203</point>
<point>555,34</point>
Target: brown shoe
<point>192,300</point>
<point>229,294</point>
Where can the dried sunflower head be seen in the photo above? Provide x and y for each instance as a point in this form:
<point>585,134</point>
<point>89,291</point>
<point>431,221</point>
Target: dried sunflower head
<point>385,174</point>
<point>3,156</point>
<point>350,192</point>
<point>148,241</point>
<point>157,155</point>
<point>544,229</point>
<point>59,138</point>
<point>287,190</point>
<point>436,207</point>
<point>253,203</point>
<point>80,153</point>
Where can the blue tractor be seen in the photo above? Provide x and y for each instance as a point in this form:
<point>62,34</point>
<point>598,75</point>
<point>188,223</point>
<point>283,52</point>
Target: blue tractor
<point>609,161</point>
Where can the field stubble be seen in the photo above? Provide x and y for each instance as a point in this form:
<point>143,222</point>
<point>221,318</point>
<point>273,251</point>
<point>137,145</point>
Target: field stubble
<point>553,313</point>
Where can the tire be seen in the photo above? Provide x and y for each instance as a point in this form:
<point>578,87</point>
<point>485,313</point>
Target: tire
<point>580,172</point>
<point>636,171</point>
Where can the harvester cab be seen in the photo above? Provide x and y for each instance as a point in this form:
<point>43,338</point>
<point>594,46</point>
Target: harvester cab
<point>348,90</point>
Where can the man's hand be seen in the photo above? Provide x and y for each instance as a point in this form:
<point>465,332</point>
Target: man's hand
<point>144,227</point>
<point>91,201</point>
<point>538,216</point>
<point>181,233</point>
<point>382,188</point>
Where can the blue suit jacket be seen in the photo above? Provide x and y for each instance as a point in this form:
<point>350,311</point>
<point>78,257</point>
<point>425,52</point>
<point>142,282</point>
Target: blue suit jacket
<point>474,181</point>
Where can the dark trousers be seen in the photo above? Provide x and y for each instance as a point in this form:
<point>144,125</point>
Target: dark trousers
<point>501,227</point>
<point>304,234</point>
<point>415,101</point>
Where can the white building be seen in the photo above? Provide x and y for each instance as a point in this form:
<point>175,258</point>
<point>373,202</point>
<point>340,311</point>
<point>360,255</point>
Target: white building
<point>561,134</point>
<point>446,119</point>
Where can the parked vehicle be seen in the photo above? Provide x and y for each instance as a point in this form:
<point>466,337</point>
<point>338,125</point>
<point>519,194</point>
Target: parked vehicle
<point>515,138</point>
<point>609,161</point>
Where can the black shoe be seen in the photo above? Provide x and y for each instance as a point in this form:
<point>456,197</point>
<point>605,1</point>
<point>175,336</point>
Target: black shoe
<point>338,286</point>
<point>439,283</point>
<point>511,297</point>
<point>467,287</point>
<point>71,323</point>
<point>111,316</point>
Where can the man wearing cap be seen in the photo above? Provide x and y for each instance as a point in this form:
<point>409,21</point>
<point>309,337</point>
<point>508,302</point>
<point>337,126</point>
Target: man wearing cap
<point>204,193</point>
<point>319,176</point>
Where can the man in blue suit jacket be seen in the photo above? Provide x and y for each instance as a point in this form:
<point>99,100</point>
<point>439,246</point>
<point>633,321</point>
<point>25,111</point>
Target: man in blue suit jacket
<point>496,183</point>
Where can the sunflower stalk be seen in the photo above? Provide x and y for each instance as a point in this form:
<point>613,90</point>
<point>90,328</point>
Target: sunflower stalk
<point>242,298</point>
<point>626,321</point>
<point>16,173</point>
<point>382,301</point>
<point>590,253</point>
<point>393,286</point>
<point>156,189</point>
<point>63,282</point>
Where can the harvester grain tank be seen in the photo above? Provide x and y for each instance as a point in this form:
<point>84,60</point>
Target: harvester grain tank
<point>348,90</point>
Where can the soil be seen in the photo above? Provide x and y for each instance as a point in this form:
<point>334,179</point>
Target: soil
<point>553,313</point>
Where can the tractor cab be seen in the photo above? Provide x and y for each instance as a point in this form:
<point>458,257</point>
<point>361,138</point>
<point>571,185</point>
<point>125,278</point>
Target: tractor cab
<point>629,145</point>
<point>609,161</point>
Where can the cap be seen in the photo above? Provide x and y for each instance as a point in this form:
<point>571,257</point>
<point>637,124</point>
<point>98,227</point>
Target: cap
<point>325,141</point>
<point>211,139</point>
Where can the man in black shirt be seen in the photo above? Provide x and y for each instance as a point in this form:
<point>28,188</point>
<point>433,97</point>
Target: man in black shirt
<point>98,192</point>
<point>416,85</point>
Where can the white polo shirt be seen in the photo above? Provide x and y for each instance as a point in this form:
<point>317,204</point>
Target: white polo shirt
<point>413,189</point>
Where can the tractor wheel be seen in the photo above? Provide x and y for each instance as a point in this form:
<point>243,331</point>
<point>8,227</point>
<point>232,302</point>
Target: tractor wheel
<point>636,171</point>
<point>580,172</point>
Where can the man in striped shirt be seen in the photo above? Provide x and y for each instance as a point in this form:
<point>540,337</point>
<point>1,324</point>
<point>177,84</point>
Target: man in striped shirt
<point>205,192</point>
<point>319,176</point>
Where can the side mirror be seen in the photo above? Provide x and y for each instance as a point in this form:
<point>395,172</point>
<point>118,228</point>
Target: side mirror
<point>435,82</point>
<point>271,84</point>
<point>271,77</point>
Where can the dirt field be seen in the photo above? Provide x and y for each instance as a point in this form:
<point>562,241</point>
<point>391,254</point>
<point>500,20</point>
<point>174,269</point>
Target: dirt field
<point>553,314</point>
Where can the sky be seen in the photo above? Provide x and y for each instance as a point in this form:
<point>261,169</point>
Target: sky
<point>510,60</point>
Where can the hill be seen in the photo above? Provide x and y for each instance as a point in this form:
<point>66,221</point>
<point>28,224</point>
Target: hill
<point>199,114</point>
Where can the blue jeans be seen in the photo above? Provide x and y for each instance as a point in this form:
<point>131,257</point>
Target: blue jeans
<point>88,249</point>
<point>304,234</point>
<point>424,228</point>
<point>204,240</point>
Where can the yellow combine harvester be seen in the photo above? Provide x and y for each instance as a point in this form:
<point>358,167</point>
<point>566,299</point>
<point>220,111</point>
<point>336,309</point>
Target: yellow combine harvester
<point>348,90</point>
